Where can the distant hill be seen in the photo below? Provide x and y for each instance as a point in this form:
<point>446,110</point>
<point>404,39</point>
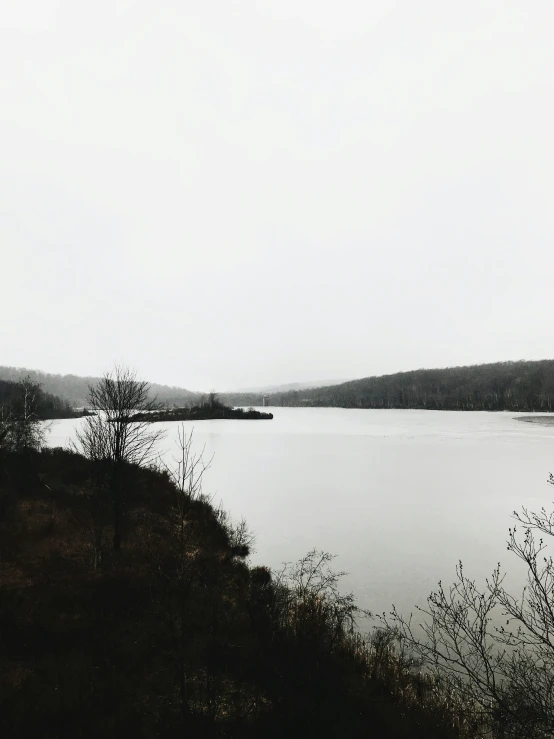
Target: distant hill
<point>289,386</point>
<point>74,389</point>
<point>273,393</point>
<point>514,386</point>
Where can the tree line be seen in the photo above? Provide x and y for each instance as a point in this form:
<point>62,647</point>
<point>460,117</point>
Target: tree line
<point>75,390</point>
<point>45,405</point>
<point>512,386</point>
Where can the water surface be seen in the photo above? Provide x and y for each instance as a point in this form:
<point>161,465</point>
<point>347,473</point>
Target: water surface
<point>399,495</point>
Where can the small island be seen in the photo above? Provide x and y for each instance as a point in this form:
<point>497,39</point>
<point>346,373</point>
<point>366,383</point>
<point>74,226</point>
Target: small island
<point>210,409</point>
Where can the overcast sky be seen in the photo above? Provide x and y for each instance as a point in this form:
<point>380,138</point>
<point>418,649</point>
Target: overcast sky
<point>227,193</point>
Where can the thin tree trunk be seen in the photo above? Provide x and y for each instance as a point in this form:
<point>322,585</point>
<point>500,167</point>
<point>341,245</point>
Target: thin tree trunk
<point>117,508</point>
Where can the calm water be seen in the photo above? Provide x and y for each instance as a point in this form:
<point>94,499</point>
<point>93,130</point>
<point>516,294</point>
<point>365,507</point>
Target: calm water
<point>399,496</point>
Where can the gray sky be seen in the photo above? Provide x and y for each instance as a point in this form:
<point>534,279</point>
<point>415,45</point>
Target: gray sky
<point>225,193</point>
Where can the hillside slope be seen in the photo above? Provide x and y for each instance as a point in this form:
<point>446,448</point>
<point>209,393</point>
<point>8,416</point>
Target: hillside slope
<point>175,635</point>
<point>74,389</point>
<point>513,386</point>
<point>285,388</point>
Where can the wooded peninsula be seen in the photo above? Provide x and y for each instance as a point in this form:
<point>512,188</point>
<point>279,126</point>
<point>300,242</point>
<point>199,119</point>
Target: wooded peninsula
<point>212,409</point>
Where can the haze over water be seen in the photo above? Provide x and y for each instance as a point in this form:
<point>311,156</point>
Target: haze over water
<point>399,495</point>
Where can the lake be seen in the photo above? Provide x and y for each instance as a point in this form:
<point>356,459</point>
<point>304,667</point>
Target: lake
<point>398,495</point>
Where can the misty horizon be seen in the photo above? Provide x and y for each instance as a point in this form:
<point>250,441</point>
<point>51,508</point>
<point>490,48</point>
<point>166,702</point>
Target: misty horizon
<point>12,372</point>
<point>250,194</point>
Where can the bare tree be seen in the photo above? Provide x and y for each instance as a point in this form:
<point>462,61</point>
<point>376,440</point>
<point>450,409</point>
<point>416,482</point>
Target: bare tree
<point>491,649</point>
<point>21,429</point>
<point>190,573</point>
<point>187,471</point>
<point>311,601</point>
<point>29,430</point>
<point>6,427</point>
<point>180,570</point>
<point>119,432</point>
